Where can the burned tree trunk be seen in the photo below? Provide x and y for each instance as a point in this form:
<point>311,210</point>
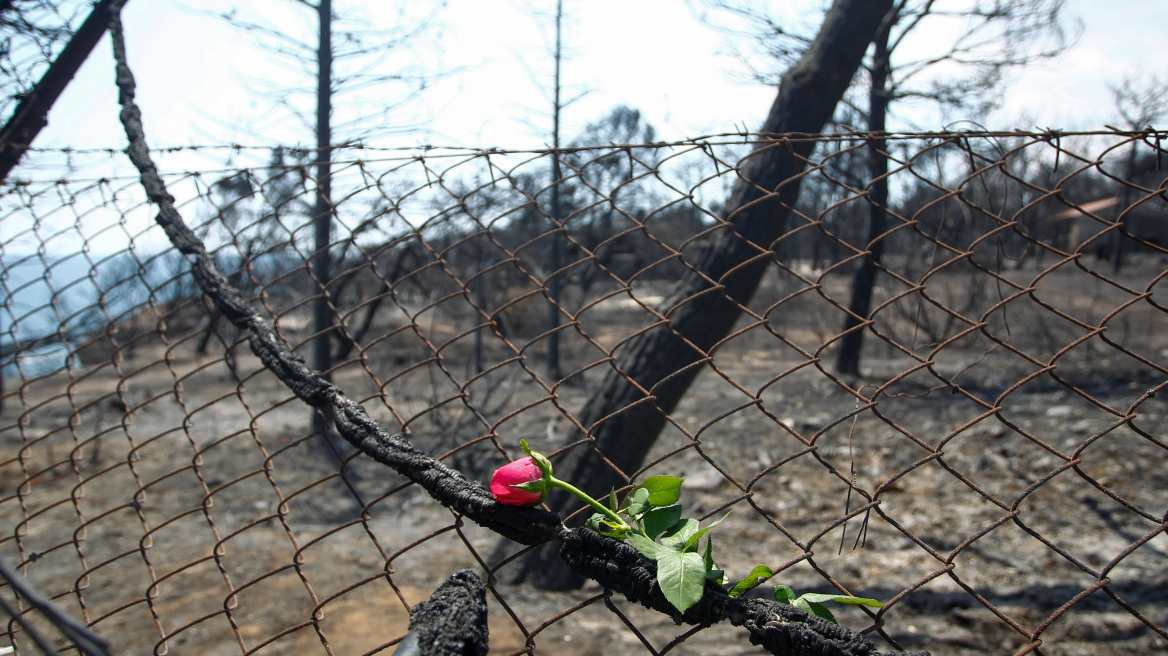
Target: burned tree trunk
<point>649,377</point>
<point>860,303</point>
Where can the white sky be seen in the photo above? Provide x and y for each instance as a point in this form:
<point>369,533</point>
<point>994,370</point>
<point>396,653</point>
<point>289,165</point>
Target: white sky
<point>650,54</point>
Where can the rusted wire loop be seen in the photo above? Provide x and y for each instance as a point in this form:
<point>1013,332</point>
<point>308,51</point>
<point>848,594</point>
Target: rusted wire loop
<point>86,641</point>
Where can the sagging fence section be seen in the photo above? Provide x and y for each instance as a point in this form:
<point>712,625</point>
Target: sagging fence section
<point>949,401</point>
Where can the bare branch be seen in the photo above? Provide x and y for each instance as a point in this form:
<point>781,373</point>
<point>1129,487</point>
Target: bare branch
<point>1141,101</point>
<point>993,36</point>
<point>363,55</point>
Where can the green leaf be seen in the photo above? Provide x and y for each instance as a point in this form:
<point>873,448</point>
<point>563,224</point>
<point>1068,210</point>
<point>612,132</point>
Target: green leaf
<point>784,594</point>
<point>756,576</point>
<point>603,525</point>
<point>594,522</point>
<point>677,536</point>
<point>639,503</point>
<point>659,520</point>
<point>814,609</point>
<point>612,500</point>
<point>647,547</point>
<point>541,462</point>
<point>682,577</point>
<point>663,490</point>
<point>712,572</point>
<point>693,539</point>
<point>531,486</point>
<point>819,597</point>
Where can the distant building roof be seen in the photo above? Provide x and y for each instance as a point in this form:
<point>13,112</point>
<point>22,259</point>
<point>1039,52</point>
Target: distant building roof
<point>1086,208</point>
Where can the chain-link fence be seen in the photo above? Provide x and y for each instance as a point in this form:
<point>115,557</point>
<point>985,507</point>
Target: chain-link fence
<point>982,447</point>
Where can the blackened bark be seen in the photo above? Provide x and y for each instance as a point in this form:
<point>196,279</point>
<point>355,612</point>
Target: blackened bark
<point>322,315</point>
<point>452,622</point>
<point>625,415</point>
<point>32,113</point>
<point>555,245</point>
<point>778,628</point>
<point>860,302</point>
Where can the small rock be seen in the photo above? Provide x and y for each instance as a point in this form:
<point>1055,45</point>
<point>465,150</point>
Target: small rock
<point>703,478</point>
<point>992,430</point>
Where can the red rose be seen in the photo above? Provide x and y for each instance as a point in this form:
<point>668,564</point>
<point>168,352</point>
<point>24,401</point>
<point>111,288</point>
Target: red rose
<point>516,473</point>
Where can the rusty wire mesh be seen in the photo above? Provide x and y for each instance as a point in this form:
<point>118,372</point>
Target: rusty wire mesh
<point>996,473</point>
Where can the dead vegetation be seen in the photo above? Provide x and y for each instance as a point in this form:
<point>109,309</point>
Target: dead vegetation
<point>178,500</point>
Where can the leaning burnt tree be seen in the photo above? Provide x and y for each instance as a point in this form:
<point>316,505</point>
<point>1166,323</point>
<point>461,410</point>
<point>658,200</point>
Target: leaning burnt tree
<point>649,377</point>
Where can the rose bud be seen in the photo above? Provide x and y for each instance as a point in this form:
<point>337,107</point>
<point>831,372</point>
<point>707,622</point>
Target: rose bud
<point>518,483</point>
